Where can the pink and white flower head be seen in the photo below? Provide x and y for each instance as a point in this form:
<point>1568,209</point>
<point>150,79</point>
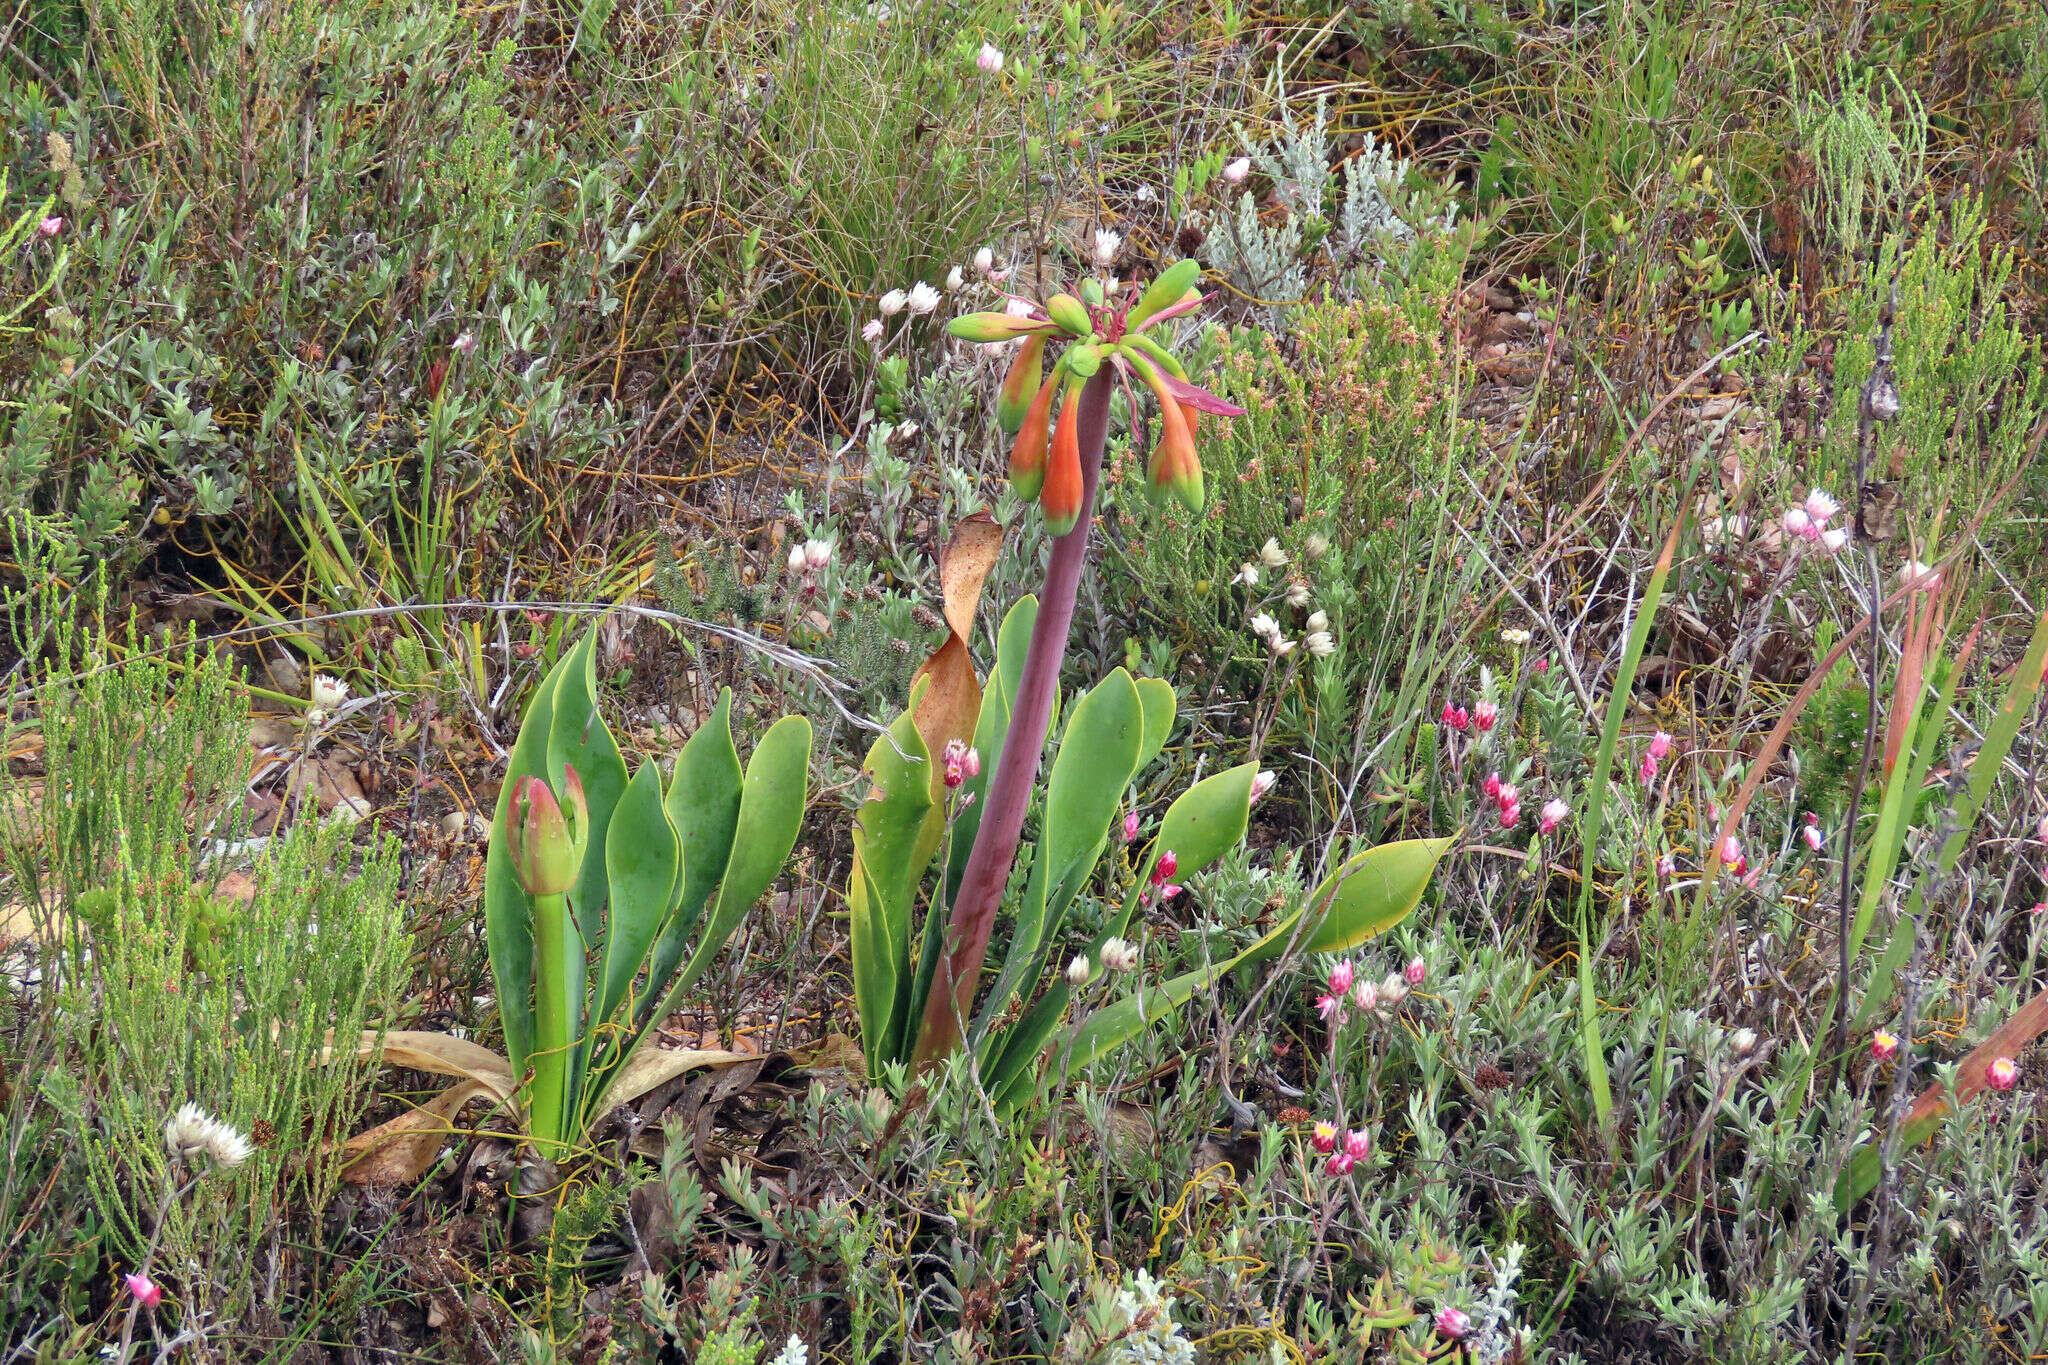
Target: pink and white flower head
<point>817,554</point>
<point>1340,1163</point>
<point>1731,850</point>
<point>1484,714</point>
<point>1833,540</point>
<point>1452,1323</point>
<point>1455,717</point>
<point>1366,996</point>
<point>989,59</point>
<point>1660,745</point>
<point>1131,825</point>
<point>49,227</point>
<point>1667,867</point>
<point>1019,308</point>
<point>1263,783</point>
<point>1341,977</point>
<point>147,1292</point>
<point>1510,816</point>
<point>1331,1008</point>
<point>1647,769</point>
<point>922,299</point>
<point>1234,172</point>
<point>1491,786</point>
<point>1508,795</point>
<point>891,303</point>
<point>872,331</point>
<point>984,260</point>
<point>1813,837</point>
<point>1798,524</point>
<point>1168,864</point>
<point>1918,577</point>
<point>1552,815</point>
<point>1324,1139</point>
<point>2002,1074</point>
<point>1358,1144</point>
<point>1417,971</point>
<point>1884,1046</point>
<point>2041,830</point>
<point>1819,506</point>
<point>1393,990</point>
<point>1169,890</point>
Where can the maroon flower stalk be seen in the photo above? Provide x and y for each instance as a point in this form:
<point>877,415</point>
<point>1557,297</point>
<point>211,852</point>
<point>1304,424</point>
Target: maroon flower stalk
<point>951,999</point>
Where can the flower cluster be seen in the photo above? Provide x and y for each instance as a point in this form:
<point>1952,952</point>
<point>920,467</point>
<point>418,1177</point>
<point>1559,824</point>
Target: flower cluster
<point>1660,748</point>
<point>1809,522</point>
<point>192,1132</point>
<point>1348,989</point>
<point>1356,1147</point>
<point>1506,799</point>
<point>807,560</point>
<point>1104,325</point>
<point>1163,885</point>
<point>959,763</point>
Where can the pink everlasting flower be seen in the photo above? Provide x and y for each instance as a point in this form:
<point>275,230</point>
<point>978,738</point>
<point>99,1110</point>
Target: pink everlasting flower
<point>1819,506</point>
<point>1667,866</point>
<point>1731,850</point>
<point>1452,1323</point>
<point>1325,1138</point>
<point>1660,745</point>
<point>1541,665</point>
<point>1491,786</point>
<point>1797,523</point>
<point>147,1292</point>
<point>1484,715</point>
<point>49,227</point>
<point>1235,172</point>
<point>1647,769</point>
<point>1417,971</point>
<point>1340,1163</point>
<point>1331,1008</point>
<point>989,59</point>
<point>1130,826</point>
<point>1168,891</point>
<point>1884,1046</point>
<point>1366,995</point>
<point>1833,540</point>
<point>1510,816</point>
<point>1812,835</point>
<point>1358,1144</point>
<point>1263,783</point>
<point>872,331</point>
<point>1508,795</point>
<point>1168,864</point>
<point>2003,1073</point>
<point>1552,815</point>
<point>1341,977</point>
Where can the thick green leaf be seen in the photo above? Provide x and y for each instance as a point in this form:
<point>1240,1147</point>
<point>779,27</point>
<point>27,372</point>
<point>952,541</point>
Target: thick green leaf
<point>883,889</point>
<point>508,910</point>
<point>1156,695</point>
<point>1115,1024</point>
<point>1371,893</point>
<point>577,734</point>
<point>703,803</point>
<point>644,862</point>
<point>1207,819</point>
<point>771,812</point>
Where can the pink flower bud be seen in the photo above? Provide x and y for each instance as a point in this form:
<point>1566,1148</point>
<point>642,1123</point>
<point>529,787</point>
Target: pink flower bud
<point>1796,523</point>
<point>1341,977</point>
<point>147,1292</point>
<point>871,330</point>
<point>1450,716</point>
<point>1647,769</point>
<point>1462,721</point>
<point>1417,971</point>
<point>544,855</point>
<point>1509,795</point>
<point>1340,1163</point>
<point>1169,891</point>
<point>1262,784</point>
<point>1130,825</point>
<point>953,774</point>
<point>1820,506</point>
<point>1452,1323</point>
<point>49,227</point>
<point>989,59</point>
<point>1731,850</point>
<point>1660,745</point>
<point>1510,816</point>
<point>1168,864</point>
<point>1484,715</point>
<point>1552,815</point>
<point>1358,1144</point>
<point>1325,1138</point>
<point>1884,1046</point>
<point>1366,995</point>
<point>1667,866</point>
<point>1491,786</point>
<point>1235,172</point>
<point>2002,1074</point>
<point>1812,835</point>
<point>1540,666</point>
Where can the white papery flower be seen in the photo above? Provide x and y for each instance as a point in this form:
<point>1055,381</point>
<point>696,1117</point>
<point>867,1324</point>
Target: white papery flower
<point>1264,626</point>
<point>1271,553</point>
<point>922,299</point>
<point>892,303</point>
<point>1104,248</point>
<point>1320,643</point>
<point>328,692</point>
<point>194,1132</point>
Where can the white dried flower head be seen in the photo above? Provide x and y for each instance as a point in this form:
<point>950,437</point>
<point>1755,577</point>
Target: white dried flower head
<point>922,299</point>
<point>1280,645</point>
<point>1119,955</point>
<point>871,332</point>
<point>954,277</point>
<point>328,692</point>
<point>316,715</point>
<point>1235,172</point>
<point>1103,249</point>
<point>1264,626</point>
<point>1515,635</point>
<point>1077,970</point>
<point>794,1352</point>
<point>1273,556</point>
<point>1743,1040</point>
<point>1318,620</point>
<point>1297,593</point>
<point>984,260</point>
<point>1019,308</point>
<point>1247,574</point>
<point>1393,990</point>
<point>891,303</point>
<point>796,563</point>
<point>193,1132</point>
<point>1315,547</point>
<point>817,554</point>
<point>1320,643</point>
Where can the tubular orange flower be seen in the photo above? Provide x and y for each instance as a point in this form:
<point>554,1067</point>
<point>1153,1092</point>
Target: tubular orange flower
<point>1175,468</point>
<point>1061,497</point>
<point>1022,381</point>
<point>1027,456</point>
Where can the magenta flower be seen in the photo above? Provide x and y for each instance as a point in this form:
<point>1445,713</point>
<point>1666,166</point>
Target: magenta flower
<point>1452,1323</point>
<point>1358,1144</point>
<point>1331,1008</point>
<point>147,1292</point>
<point>1341,977</point>
<point>1484,714</point>
<point>1491,786</point>
<point>1884,1046</point>
<point>1417,971</point>
<point>1647,769</point>
<point>49,227</point>
<point>1552,815</point>
<point>1168,864</point>
<point>1340,1163</point>
<point>1325,1138</point>
<point>1660,746</point>
<point>1812,835</point>
<point>1130,825</point>
<point>1731,850</point>
<point>2002,1074</point>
